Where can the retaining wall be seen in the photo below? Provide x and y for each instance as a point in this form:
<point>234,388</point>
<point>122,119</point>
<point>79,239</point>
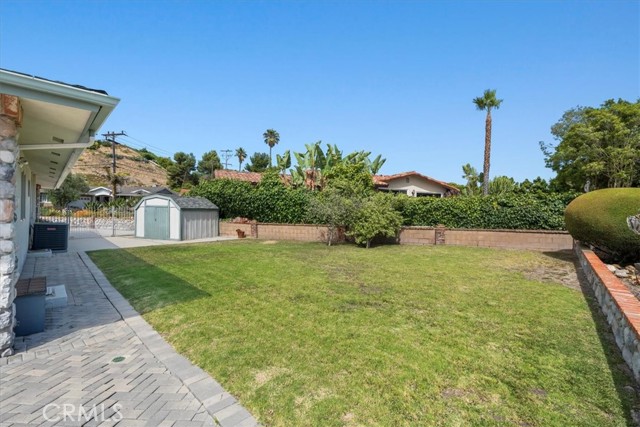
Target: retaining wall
<point>542,240</point>
<point>619,305</point>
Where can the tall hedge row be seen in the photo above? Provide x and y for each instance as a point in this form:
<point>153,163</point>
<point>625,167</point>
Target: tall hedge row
<point>264,203</point>
<point>277,203</point>
<point>525,212</point>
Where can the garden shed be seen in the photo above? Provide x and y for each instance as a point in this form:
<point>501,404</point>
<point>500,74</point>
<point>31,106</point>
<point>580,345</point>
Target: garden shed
<point>171,217</point>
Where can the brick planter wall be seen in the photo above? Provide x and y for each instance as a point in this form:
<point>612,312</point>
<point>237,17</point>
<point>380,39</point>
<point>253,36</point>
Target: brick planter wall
<point>619,305</point>
<point>229,228</point>
<point>299,232</point>
<point>541,240</point>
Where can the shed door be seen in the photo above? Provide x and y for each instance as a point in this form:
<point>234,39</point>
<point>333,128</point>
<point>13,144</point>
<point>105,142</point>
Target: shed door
<point>156,222</point>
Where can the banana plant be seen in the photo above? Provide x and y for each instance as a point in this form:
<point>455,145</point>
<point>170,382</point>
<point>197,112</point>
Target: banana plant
<point>284,161</point>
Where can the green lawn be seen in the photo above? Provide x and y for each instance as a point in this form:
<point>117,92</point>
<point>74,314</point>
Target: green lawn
<point>303,334</point>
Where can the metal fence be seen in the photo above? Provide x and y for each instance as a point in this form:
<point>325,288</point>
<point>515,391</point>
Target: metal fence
<point>105,221</point>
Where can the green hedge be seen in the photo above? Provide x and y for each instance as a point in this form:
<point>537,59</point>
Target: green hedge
<point>525,212</point>
<point>273,202</point>
<point>264,203</point>
<point>599,218</point>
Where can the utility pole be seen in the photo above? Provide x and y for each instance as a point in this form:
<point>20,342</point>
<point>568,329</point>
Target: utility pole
<point>111,137</point>
<point>226,154</point>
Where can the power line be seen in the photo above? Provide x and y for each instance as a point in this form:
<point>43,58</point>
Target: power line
<point>144,145</point>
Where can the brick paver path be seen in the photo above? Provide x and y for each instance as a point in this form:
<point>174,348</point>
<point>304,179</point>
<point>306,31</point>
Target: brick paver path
<point>72,373</point>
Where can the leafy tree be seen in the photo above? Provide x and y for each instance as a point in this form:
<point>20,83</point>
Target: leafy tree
<point>537,186</point>
<point>502,185</point>
<point>487,102</point>
<point>271,138</point>
<point>180,173</point>
<point>209,163</point>
<point>598,147</point>
<point>376,217</point>
<point>71,189</point>
<point>333,209</point>
<point>258,162</point>
<point>164,162</point>
<point>350,179</point>
<point>241,155</point>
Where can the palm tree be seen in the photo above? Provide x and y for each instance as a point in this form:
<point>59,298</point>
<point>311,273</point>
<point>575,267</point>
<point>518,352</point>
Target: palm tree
<point>241,155</point>
<point>271,138</point>
<point>115,179</point>
<point>487,102</point>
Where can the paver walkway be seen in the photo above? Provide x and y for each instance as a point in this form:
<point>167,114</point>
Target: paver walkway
<point>73,374</point>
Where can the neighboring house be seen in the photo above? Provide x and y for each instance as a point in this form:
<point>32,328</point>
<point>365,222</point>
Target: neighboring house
<point>410,183</point>
<point>44,126</point>
<point>414,184</point>
<point>103,195</point>
<point>252,177</point>
<point>143,191</point>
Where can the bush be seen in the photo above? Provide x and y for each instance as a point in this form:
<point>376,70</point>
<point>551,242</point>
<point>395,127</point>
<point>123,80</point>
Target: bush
<point>267,202</point>
<point>525,211</point>
<point>599,218</point>
<point>375,218</point>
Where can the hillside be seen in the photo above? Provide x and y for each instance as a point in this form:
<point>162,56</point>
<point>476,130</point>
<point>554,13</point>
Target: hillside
<point>139,171</point>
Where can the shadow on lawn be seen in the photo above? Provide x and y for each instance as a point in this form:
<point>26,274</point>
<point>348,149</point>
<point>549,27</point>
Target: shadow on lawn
<point>619,370</point>
<point>147,287</point>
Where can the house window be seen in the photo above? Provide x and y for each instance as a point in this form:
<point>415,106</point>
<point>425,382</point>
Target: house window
<point>406,179</point>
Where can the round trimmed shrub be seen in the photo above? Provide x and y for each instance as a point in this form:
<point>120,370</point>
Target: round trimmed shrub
<point>599,218</point>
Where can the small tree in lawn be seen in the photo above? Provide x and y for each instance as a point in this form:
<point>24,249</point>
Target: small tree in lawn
<point>333,209</point>
<point>375,218</point>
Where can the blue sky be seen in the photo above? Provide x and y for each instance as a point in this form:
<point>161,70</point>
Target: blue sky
<point>393,77</point>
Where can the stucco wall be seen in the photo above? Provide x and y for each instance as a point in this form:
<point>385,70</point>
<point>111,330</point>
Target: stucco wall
<point>416,183</point>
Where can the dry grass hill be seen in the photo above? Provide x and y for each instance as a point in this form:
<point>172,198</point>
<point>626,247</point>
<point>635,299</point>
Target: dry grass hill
<point>139,171</point>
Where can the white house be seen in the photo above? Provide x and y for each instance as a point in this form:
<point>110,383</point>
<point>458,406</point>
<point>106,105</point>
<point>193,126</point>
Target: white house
<point>414,184</point>
<point>44,126</point>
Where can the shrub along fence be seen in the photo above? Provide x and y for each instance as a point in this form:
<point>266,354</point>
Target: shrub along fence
<point>280,204</point>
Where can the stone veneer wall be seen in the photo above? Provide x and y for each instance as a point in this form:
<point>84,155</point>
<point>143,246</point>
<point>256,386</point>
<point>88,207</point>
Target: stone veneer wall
<point>619,305</point>
<point>9,120</point>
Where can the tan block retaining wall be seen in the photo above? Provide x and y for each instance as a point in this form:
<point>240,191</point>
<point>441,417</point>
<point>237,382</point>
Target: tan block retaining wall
<point>541,240</point>
<point>619,305</point>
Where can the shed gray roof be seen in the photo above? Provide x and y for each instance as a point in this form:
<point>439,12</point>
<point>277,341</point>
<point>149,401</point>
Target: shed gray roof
<point>193,203</point>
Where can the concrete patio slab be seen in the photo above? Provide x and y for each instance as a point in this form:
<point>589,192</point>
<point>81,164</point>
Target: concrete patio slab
<point>89,240</point>
<point>99,363</point>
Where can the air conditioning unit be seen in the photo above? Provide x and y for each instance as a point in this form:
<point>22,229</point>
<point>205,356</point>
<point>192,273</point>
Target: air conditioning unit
<point>50,235</point>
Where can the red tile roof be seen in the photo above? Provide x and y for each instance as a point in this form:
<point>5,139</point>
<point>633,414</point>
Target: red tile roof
<point>383,180</point>
<point>252,177</point>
